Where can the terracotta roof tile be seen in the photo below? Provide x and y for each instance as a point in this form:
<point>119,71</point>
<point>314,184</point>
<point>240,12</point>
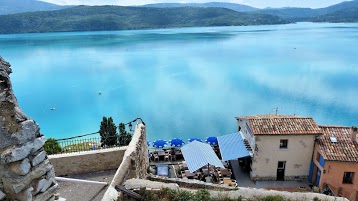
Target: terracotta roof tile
<point>282,125</point>
<point>345,149</point>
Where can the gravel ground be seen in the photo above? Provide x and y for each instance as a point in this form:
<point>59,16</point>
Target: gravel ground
<point>72,191</point>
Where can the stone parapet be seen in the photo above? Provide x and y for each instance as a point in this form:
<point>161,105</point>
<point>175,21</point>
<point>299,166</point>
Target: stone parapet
<point>87,161</point>
<point>135,163</point>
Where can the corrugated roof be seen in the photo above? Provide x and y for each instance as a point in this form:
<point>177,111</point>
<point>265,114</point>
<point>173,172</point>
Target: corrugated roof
<point>344,149</point>
<point>282,125</point>
<point>197,154</point>
<point>232,146</point>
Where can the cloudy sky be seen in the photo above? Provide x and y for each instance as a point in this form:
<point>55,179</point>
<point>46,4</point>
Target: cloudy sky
<point>254,3</point>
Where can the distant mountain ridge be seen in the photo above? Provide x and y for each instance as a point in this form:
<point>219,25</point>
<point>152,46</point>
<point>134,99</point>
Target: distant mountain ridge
<point>21,6</point>
<point>96,18</point>
<point>342,12</point>
<point>232,6</point>
<point>309,14</point>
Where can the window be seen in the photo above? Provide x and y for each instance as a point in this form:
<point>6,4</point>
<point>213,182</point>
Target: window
<point>283,144</point>
<point>348,177</point>
<point>281,165</point>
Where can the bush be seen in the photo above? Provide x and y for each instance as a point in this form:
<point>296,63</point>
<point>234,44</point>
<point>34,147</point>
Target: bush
<point>51,146</point>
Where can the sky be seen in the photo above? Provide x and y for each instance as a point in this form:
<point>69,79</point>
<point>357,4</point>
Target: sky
<point>254,3</point>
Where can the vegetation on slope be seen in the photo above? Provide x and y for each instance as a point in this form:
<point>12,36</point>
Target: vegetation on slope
<point>94,18</point>
<point>347,15</point>
<point>342,12</point>
<point>232,6</point>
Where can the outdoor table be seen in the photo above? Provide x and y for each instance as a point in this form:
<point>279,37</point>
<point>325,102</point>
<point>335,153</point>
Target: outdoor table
<point>225,172</point>
<point>228,181</point>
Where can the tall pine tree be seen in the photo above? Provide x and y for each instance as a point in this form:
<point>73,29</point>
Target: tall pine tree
<point>124,136</point>
<point>108,132</point>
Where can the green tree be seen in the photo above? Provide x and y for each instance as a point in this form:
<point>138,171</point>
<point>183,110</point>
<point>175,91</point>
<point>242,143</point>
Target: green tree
<point>124,136</point>
<point>108,132</point>
<point>51,146</point>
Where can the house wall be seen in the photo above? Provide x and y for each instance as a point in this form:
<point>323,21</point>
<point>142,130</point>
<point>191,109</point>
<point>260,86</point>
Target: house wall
<point>244,128</point>
<point>298,157</point>
<point>333,176</point>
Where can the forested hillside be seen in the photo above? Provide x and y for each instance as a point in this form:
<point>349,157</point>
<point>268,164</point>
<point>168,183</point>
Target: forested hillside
<point>94,18</point>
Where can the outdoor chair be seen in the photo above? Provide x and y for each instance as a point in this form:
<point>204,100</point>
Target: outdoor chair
<point>156,157</point>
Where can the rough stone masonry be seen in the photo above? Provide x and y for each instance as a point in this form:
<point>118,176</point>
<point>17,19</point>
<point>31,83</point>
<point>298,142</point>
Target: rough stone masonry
<point>25,172</point>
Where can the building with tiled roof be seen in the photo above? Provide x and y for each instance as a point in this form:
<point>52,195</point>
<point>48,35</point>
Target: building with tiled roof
<point>335,161</point>
<point>282,145</point>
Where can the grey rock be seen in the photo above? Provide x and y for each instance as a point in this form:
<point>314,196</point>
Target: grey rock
<point>50,174</point>
<point>5,66</point>
<point>25,195</point>
<point>18,153</point>
<point>15,185</point>
<point>39,158</point>
<point>2,195</point>
<point>46,195</point>
<point>20,167</point>
<point>27,132</point>
<point>43,185</point>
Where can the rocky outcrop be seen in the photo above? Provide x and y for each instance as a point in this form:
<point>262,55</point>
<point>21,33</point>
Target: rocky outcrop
<point>25,171</point>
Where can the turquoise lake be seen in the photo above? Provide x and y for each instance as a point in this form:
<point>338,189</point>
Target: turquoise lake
<point>185,82</point>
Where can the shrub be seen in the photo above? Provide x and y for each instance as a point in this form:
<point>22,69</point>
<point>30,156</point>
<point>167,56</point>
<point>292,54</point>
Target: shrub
<point>51,146</point>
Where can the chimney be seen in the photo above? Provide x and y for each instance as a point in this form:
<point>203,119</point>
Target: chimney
<point>354,131</point>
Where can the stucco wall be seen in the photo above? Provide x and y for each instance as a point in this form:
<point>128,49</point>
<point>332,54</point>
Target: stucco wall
<point>89,161</point>
<point>332,174</point>
<point>298,156</point>
<point>334,177</point>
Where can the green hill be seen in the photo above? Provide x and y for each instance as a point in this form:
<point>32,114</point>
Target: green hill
<point>348,15</point>
<point>342,12</point>
<point>21,6</point>
<point>232,6</point>
<point>95,18</point>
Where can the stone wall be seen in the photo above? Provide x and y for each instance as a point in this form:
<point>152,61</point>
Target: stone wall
<point>135,163</point>
<point>88,161</point>
<point>25,171</point>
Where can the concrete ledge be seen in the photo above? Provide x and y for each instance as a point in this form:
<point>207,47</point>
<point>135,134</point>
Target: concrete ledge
<point>87,161</point>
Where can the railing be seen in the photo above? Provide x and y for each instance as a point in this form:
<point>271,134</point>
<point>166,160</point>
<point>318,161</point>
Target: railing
<point>80,144</point>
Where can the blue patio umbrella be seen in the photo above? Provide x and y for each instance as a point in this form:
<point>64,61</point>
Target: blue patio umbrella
<point>212,140</point>
<point>194,139</point>
<point>176,142</point>
<point>159,143</point>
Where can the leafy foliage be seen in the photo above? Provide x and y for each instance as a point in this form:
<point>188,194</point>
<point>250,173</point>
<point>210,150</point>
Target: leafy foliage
<point>51,146</point>
<point>232,6</point>
<point>95,18</point>
<point>124,137</point>
<point>108,132</point>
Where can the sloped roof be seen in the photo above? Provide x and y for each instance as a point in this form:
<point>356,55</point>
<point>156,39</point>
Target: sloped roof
<point>232,146</point>
<point>273,124</point>
<point>198,154</point>
<point>344,149</point>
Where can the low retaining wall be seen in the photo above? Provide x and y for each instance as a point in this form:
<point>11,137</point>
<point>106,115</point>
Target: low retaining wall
<point>88,161</point>
<point>134,165</point>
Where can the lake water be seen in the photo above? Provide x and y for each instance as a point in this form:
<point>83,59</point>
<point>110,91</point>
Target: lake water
<point>188,82</point>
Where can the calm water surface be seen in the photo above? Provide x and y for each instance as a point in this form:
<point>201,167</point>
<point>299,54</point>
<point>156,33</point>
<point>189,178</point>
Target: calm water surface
<point>185,82</point>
